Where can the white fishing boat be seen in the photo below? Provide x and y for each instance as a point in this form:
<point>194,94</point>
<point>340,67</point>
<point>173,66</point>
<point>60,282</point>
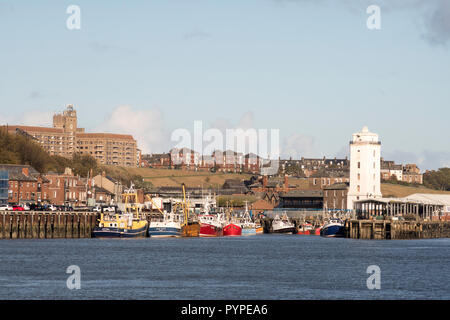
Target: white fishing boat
<point>282,225</point>
<point>166,225</point>
<point>247,225</point>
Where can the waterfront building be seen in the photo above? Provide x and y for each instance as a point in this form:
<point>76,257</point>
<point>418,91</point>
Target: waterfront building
<point>418,205</point>
<point>22,182</point>
<point>365,151</point>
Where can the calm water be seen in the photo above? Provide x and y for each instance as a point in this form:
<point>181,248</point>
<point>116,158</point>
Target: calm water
<point>256,267</point>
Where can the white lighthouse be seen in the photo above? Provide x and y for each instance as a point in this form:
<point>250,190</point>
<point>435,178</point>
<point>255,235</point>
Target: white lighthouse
<point>364,167</point>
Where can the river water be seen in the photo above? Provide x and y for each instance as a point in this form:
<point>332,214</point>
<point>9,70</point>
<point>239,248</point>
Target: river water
<point>287,267</point>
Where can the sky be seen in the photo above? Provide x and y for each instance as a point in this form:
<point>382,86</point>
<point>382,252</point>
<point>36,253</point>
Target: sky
<point>310,68</point>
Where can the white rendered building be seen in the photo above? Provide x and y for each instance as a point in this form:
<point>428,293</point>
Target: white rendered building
<point>364,167</point>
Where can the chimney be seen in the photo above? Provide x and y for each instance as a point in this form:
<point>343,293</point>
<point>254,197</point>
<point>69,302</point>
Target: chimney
<point>25,171</point>
<point>264,181</point>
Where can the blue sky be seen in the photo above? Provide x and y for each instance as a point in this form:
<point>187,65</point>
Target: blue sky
<point>309,68</point>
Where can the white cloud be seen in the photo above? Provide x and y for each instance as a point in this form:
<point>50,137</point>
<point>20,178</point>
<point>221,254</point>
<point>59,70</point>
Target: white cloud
<point>146,126</point>
<point>297,145</point>
<point>29,118</point>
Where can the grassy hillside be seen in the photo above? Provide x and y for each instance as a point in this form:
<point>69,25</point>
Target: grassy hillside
<point>395,190</point>
<point>174,178</point>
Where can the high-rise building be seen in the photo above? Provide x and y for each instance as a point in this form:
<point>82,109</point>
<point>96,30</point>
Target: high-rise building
<point>365,151</point>
<point>65,138</point>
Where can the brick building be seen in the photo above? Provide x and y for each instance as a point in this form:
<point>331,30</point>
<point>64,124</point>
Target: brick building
<point>325,178</point>
<point>335,196</point>
<point>22,182</point>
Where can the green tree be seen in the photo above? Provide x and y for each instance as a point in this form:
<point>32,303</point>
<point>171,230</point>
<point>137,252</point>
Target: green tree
<point>439,179</point>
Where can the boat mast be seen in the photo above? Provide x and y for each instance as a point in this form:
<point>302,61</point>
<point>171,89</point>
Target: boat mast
<point>185,210</point>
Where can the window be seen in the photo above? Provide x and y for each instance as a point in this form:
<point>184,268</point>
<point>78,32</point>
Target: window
<point>359,165</point>
<point>359,188</point>
<point>359,176</point>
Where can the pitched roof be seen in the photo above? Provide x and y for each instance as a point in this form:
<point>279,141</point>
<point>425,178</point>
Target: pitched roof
<point>302,194</point>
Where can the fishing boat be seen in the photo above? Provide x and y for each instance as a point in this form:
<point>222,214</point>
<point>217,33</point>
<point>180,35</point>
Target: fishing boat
<point>247,225</point>
<point>232,230</point>
<point>167,225</point>
<point>316,231</point>
<point>333,228</point>
<point>211,225</point>
<point>128,224</point>
<point>259,228</point>
<point>306,228</point>
<point>190,226</point>
<point>282,225</point>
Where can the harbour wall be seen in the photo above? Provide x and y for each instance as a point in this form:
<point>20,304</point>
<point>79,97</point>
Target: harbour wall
<point>387,229</point>
<point>46,225</point>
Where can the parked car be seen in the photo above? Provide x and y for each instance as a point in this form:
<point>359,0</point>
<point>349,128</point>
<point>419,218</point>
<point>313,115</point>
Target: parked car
<point>5,207</point>
<point>18,208</point>
<point>25,207</point>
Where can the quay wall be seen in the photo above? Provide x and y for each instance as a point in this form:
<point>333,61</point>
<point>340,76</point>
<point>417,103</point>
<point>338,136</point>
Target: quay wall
<point>46,225</point>
<point>386,229</point>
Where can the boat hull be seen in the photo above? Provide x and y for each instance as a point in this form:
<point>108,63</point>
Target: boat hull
<point>164,232</point>
<point>288,230</point>
<point>209,230</point>
<point>160,229</point>
<point>332,231</point>
<point>107,232</point>
<point>232,230</point>
<point>248,231</point>
<point>191,230</point>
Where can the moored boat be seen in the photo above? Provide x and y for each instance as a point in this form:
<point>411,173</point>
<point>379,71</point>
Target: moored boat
<point>333,228</point>
<point>306,228</point>
<point>259,228</point>
<point>169,225</point>
<point>210,225</point>
<point>248,227</point>
<point>282,225</point>
<point>232,230</point>
<point>129,224</point>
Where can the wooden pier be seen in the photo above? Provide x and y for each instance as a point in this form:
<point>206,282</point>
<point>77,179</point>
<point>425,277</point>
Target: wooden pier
<point>388,229</point>
<point>46,225</point>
